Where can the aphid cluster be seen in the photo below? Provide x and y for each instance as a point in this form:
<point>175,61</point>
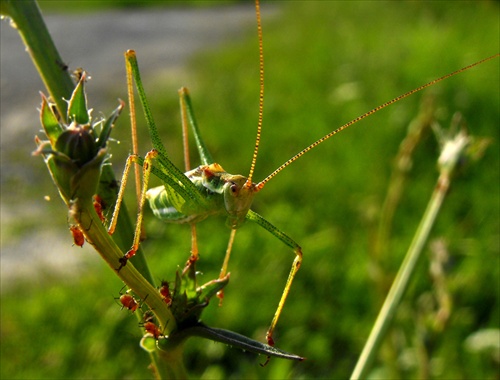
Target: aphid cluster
<point>128,301</point>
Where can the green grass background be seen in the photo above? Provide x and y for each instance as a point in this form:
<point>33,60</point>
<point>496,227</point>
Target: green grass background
<point>325,63</point>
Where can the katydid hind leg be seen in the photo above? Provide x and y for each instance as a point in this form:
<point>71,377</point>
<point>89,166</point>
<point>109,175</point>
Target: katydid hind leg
<point>188,118</point>
<point>173,175</point>
<point>187,114</point>
<point>187,167</point>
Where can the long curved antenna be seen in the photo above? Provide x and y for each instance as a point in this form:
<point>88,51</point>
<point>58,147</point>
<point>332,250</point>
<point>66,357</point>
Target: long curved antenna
<point>261,184</point>
<point>261,95</point>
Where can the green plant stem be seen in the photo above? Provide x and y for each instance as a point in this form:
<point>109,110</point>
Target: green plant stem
<point>175,368</point>
<point>402,279</point>
<point>401,166</point>
<point>98,236</point>
<point>29,22</point>
<point>170,365</point>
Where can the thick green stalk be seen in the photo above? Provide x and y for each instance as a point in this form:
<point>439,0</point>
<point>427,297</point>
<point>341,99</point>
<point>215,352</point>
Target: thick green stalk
<point>170,364</point>
<point>98,235</point>
<point>28,20</point>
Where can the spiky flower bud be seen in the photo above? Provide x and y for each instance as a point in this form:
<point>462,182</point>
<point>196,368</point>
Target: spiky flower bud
<point>78,143</point>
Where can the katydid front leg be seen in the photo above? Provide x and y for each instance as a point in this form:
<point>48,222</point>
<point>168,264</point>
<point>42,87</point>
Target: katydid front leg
<point>254,217</point>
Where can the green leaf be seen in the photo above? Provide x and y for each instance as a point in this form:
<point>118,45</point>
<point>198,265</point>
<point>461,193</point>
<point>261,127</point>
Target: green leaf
<point>231,338</point>
<point>77,110</point>
<point>108,125</point>
<point>50,122</point>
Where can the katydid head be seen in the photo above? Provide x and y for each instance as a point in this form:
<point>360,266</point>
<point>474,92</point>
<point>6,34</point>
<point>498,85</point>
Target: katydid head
<point>238,197</point>
<point>234,192</point>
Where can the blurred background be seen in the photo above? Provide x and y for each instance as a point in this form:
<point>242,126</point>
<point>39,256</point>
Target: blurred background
<point>326,62</point>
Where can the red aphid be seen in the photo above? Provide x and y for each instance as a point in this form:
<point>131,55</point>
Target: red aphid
<point>129,302</point>
<point>150,326</point>
<point>165,292</point>
<point>99,207</point>
<point>78,238</point>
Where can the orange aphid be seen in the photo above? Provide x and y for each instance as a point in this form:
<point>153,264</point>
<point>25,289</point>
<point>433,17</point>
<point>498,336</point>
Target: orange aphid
<point>165,292</point>
<point>99,207</point>
<point>78,238</point>
<point>150,326</point>
<point>129,302</point>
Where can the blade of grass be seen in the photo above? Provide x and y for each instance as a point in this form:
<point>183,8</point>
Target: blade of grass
<point>451,151</point>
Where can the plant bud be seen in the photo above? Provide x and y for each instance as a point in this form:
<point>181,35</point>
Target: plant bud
<point>78,144</point>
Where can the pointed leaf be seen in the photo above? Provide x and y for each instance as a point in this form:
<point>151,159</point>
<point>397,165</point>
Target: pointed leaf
<point>108,125</point>
<point>77,110</point>
<point>233,339</point>
<point>49,122</point>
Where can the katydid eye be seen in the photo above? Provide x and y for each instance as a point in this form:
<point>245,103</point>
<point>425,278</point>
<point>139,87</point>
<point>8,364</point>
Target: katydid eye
<point>234,188</point>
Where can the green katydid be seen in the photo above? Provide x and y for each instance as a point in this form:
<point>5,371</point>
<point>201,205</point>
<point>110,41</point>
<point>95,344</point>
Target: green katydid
<point>208,190</point>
